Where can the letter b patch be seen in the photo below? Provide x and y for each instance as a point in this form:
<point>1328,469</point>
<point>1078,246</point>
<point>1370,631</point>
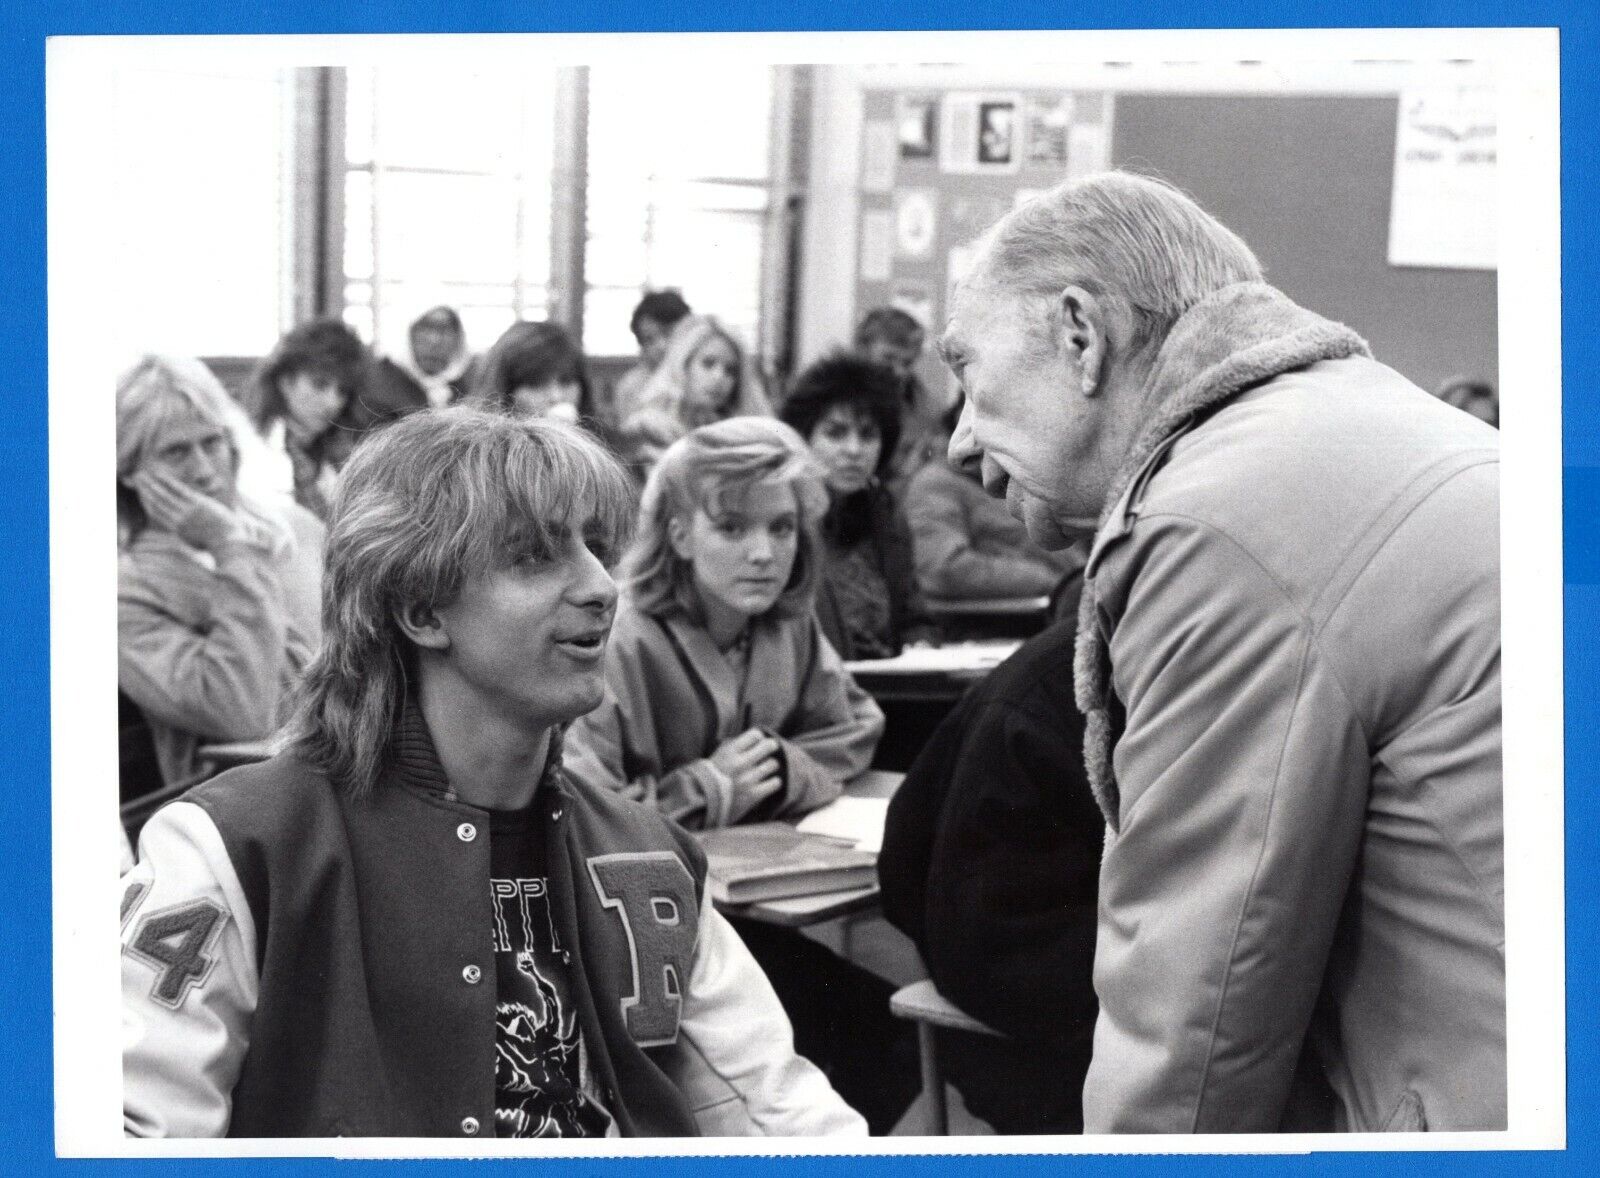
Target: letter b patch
<point>652,893</point>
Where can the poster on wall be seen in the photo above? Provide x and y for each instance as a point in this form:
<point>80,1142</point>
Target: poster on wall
<point>916,221</point>
<point>877,157</point>
<point>1445,194</point>
<point>1088,150</point>
<point>1048,125</point>
<point>917,118</point>
<point>877,245</point>
<point>979,134</point>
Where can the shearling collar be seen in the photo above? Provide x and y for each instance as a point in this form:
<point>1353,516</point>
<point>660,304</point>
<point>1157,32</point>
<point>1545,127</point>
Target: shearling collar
<point>1231,340</point>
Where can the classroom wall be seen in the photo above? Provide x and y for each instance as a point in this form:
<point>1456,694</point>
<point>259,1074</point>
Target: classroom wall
<point>1305,178</point>
<point>1306,181</point>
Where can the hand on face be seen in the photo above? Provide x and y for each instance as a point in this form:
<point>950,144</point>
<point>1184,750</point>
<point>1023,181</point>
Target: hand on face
<point>750,761</point>
<point>194,517</point>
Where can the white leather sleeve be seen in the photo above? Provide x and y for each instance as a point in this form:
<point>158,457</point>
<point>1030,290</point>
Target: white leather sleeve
<point>739,1069</point>
<point>189,982</point>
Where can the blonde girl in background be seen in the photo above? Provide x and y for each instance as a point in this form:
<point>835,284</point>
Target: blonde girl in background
<point>704,377</point>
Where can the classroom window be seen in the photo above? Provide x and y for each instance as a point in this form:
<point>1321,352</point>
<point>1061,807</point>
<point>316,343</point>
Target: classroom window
<point>447,198</point>
<point>677,196</point>
<point>202,234</point>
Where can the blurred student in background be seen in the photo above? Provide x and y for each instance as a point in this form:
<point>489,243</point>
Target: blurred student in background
<point>433,371</point>
<point>724,703</point>
<point>702,378</point>
<point>892,338</point>
<point>969,546</point>
<point>1473,396</point>
<point>658,312</point>
<point>848,411</point>
<point>536,370</point>
<point>216,592</point>
<point>301,397</point>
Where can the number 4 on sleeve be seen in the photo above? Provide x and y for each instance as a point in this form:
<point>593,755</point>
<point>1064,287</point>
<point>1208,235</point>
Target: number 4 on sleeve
<point>178,943</point>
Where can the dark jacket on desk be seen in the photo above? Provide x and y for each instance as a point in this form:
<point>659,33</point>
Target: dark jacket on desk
<point>990,860</point>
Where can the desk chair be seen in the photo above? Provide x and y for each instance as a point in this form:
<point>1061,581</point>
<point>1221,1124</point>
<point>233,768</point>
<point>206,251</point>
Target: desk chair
<point>922,1003</point>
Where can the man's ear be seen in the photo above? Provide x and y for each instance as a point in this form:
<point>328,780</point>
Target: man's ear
<point>678,537</point>
<point>1083,335</point>
<point>418,622</point>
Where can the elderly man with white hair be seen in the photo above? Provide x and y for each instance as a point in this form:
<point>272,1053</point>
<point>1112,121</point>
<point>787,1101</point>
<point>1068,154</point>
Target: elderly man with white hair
<point>1289,656</point>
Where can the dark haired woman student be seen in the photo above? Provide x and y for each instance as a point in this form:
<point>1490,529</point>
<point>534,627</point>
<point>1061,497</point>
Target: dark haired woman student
<point>848,411</point>
<point>536,370</point>
<point>301,397</point>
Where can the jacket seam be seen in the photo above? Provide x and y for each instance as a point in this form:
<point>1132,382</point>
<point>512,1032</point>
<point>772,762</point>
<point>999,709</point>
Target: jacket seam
<point>1308,629</point>
<point>1337,603</point>
<point>1255,873</point>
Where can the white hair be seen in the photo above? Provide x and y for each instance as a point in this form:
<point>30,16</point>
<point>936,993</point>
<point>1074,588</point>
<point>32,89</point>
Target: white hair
<point>1120,234</point>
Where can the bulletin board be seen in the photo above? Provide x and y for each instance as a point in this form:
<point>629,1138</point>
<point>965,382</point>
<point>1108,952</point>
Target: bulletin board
<point>1305,179</point>
<point>938,167</point>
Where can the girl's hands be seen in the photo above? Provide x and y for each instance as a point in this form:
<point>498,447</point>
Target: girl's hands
<point>750,761</point>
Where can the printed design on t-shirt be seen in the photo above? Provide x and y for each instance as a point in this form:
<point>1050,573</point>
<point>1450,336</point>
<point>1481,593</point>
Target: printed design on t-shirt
<point>537,1065</point>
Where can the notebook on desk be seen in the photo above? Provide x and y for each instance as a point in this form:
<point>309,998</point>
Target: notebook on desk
<point>773,860</point>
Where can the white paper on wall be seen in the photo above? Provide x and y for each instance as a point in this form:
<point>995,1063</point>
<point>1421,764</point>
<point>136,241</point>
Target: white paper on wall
<point>1445,189</point>
<point>916,220</point>
<point>877,245</point>
<point>878,148</point>
<point>1088,150</point>
<point>981,133</point>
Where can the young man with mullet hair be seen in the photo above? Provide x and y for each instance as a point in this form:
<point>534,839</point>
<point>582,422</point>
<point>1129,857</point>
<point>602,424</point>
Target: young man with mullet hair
<point>411,922</point>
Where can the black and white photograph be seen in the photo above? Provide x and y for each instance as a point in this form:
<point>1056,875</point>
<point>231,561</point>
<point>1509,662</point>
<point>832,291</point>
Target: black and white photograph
<point>637,620</point>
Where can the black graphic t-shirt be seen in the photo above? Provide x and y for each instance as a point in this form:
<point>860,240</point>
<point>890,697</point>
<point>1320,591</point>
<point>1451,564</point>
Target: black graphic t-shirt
<point>538,1054</point>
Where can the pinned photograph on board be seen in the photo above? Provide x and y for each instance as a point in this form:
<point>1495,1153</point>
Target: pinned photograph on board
<point>918,122</point>
<point>997,132</point>
<point>978,133</point>
<point>1047,126</point>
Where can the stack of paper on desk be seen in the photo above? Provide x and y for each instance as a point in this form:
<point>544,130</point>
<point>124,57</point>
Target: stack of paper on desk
<point>854,820</point>
<point>773,860</point>
<point>952,658</point>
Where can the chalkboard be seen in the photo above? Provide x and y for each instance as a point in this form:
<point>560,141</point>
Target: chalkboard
<point>1306,181</point>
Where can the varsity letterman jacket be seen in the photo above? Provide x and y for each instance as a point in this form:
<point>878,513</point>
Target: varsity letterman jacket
<point>296,963</point>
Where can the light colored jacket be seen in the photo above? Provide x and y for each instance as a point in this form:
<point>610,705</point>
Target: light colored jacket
<point>968,545</point>
<point>1291,639</point>
<point>209,649</point>
<point>672,697</point>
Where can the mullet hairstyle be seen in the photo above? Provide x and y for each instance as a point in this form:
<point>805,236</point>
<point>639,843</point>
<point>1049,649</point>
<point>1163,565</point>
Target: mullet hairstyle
<point>422,506</point>
<point>711,469</point>
<point>1118,233</point>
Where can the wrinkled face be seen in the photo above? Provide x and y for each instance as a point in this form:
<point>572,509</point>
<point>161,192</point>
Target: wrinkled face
<point>313,400</point>
<point>847,443</point>
<point>527,638</point>
<point>557,397</point>
<point>198,453</point>
<point>742,558</point>
<point>652,337</point>
<point>713,373</point>
<point>1025,429</point>
<point>896,354</point>
<point>434,345</point>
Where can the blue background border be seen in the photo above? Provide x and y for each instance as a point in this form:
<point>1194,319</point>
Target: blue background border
<point>26,1076</point>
